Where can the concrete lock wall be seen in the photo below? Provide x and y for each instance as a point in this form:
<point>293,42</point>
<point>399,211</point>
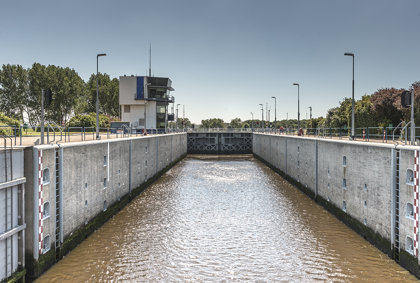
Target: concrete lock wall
<point>85,182</point>
<point>356,181</point>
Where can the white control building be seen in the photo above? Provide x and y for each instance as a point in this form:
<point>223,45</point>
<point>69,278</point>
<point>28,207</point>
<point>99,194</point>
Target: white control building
<point>144,101</point>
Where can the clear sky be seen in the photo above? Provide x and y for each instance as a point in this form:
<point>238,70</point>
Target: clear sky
<point>226,56</point>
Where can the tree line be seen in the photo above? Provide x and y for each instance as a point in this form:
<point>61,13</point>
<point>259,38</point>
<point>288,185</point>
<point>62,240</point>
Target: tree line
<point>20,93</point>
<point>381,109</point>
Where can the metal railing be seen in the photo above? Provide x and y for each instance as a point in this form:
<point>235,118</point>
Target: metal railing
<point>71,134</point>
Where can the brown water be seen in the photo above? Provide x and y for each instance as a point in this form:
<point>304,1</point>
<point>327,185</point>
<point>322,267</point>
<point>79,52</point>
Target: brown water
<point>224,219</point>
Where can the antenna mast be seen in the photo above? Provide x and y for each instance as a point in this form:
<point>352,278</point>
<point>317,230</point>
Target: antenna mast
<point>150,60</point>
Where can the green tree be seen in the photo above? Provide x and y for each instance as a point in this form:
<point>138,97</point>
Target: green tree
<point>184,123</point>
<point>212,123</point>
<point>339,117</point>
<point>66,86</point>
<point>89,120</point>
<point>235,123</point>
<point>364,116</point>
<point>386,106</point>
<point>108,95</point>
<point>13,90</point>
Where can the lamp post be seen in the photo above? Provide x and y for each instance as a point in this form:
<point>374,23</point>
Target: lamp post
<point>177,116</point>
<point>252,120</point>
<point>352,97</point>
<point>310,112</point>
<point>298,106</point>
<point>97,94</point>
<point>262,115</point>
<point>275,109</point>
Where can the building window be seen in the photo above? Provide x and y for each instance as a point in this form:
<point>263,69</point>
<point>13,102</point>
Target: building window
<point>410,177</point>
<point>105,205</point>
<point>46,210</point>
<point>46,176</point>
<point>126,108</point>
<point>161,109</point>
<point>409,211</point>
<point>105,160</point>
<point>104,183</point>
<point>344,161</point>
<point>344,184</point>
<point>409,245</point>
<point>344,206</point>
<point>46,245</point>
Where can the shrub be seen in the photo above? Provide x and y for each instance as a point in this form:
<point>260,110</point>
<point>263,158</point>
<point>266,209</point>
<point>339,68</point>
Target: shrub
<point>7,125</point>
<point>89,120</point>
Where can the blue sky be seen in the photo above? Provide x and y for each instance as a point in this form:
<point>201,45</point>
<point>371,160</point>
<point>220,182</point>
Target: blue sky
<point>226,56</point>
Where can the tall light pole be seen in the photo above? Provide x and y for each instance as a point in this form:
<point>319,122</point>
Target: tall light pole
<point>352,98</point>
<point>262,115</point>
<point>310,112</point>
<point>183,115</point>
<point>298,106</point>
<point>177,115</point>
<point>252,120</point>
<point>275,109</point>
<point>267,116</point>
<point>97,94</point>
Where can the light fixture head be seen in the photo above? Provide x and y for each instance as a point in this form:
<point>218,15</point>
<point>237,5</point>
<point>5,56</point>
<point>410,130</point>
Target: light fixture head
<point>348,54</point>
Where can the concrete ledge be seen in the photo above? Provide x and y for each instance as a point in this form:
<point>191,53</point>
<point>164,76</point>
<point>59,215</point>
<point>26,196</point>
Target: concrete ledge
<point>83,143</point>
<point>359,143</point>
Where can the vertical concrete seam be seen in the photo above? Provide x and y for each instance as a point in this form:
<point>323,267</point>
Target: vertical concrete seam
<point>316,168</point>
<point>60,182</point>
<point>285,154</point>
<point>157,154</point>
<point>108,163</point>
<point>129,165</point>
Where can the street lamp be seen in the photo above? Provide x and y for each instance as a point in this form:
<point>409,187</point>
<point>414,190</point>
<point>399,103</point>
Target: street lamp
<point>298,106</point>
<point>352,98</point>
<point>97,94</point>
<point>177,115</point>
<point>252,120</point>
<point>275,109</point>
<point>262,115</point>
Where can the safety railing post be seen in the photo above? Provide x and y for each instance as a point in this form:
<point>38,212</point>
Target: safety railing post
<point>367,133</point>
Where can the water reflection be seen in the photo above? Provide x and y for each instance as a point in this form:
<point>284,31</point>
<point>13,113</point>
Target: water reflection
<point>224,219</point>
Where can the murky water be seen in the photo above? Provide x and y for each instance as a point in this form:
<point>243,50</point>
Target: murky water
<point>224,219</point>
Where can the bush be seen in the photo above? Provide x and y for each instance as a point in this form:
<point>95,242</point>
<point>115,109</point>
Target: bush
<point>7,125</point>
<point>89,120</point>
